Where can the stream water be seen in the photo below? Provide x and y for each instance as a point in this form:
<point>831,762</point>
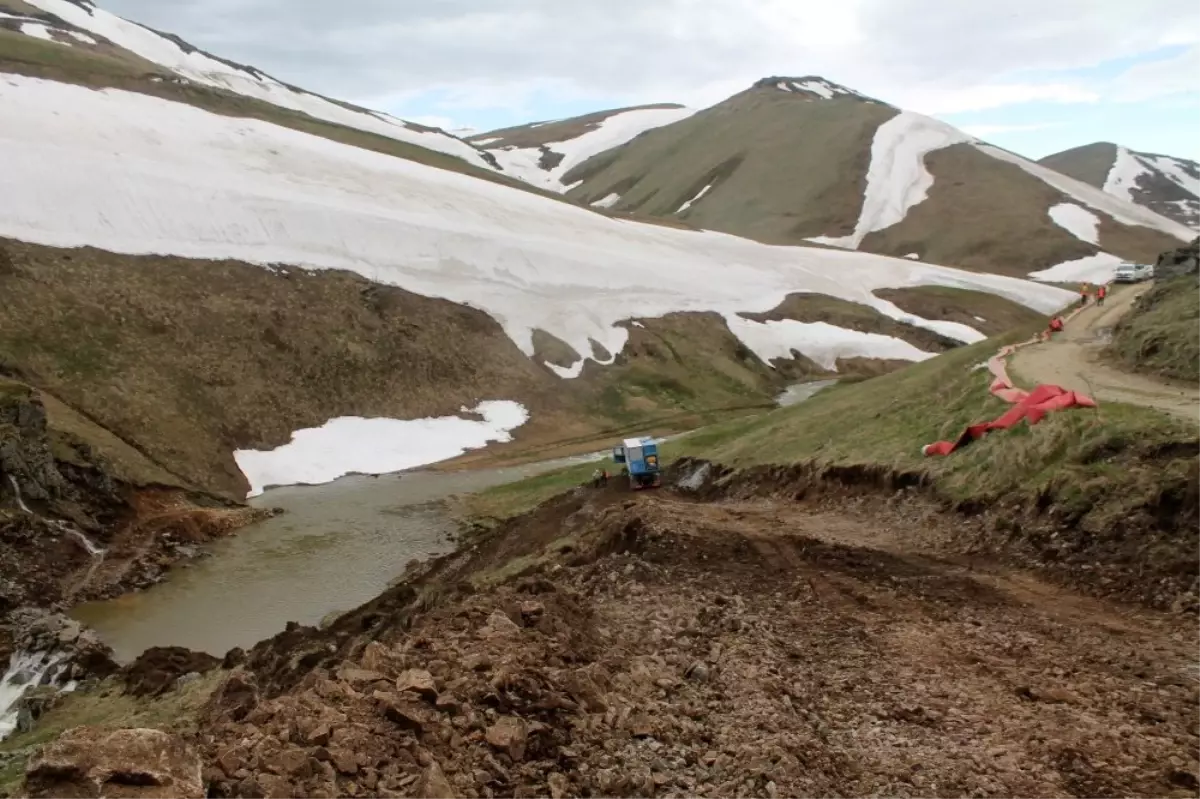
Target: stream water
<point>336,546</point>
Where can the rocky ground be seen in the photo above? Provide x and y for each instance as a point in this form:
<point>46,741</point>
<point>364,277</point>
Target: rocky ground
<point>656,646</point>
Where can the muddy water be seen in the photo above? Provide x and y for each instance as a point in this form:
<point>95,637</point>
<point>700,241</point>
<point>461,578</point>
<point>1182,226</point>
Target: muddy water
<point>799,392</point>
<point>337,546</point>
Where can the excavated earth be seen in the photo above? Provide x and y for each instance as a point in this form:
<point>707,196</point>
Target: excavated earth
<point>618,644</point>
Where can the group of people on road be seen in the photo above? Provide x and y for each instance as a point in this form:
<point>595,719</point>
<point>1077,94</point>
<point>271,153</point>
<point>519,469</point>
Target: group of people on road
<point>1086,291</point>
<point>1085,294</point>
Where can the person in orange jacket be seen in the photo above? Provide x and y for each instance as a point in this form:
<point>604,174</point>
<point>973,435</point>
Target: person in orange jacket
<point>1085,292</point>
<point>1101,293</point>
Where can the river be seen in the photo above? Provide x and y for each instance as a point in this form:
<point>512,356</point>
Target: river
<point>336,546</point>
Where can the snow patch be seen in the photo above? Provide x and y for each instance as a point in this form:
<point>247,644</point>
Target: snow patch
<point>913,256</point>
<point>567,372</point>
<point>1079,222</point>
<point>897,179</point>
<point>81,37</point>
<point>1094,198</point>
<point>607,202</point>
<point>1098,268</point>
<point>132,173</point>
<point>694,200</point>
<point>822,342</point>
<point>1124,175</point>
<point>376,446</point>
<point>954,330</point>
<point>204,69</point>
<point>612,132</point>
<point>486,142</point>
<point>1184,174</point>
<point>38,31</point>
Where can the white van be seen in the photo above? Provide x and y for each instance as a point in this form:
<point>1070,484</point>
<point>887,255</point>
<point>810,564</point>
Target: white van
<point>1133,273</point>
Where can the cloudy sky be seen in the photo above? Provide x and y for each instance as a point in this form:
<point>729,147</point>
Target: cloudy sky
<point>1035,76</point>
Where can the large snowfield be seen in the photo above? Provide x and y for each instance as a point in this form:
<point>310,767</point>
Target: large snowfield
<point>376,446</point>
<point>203,69</point>
<point>136,174</point>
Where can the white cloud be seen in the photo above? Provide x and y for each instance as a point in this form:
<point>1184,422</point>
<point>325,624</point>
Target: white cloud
<point>1152,79</point>
<point>935,56</point>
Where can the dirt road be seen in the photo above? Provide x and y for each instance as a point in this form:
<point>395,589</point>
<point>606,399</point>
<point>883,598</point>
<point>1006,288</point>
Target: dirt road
<point>736,648</point>
<point>1073,361</point>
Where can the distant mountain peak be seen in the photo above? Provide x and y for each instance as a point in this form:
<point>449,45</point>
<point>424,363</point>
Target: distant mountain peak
<point>810,86</point>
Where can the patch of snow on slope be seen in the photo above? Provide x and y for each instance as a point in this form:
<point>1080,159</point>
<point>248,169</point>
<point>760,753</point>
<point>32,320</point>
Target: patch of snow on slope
<point>1094,198</point>
<point>822,342</point>
<point>1180,172</point>
<point>1079,222</point>
<point>954,330</point>
<point>376,446</point>
<point>816,88</point>
<point>1098,268</point>
<point>37,31</point>
<point>132,173</point>
<point>897,179</point>
<point>81,37</point>
<point>1124,174</point>
<point>613,131</point>
<point>694,200</point>
<point>607,202</point>
<point>204,69</point>
<point>566,372</point>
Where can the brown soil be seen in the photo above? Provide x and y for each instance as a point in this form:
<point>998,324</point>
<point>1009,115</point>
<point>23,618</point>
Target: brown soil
<point>1074,360</point>
<point>964,306</point>
<point>763,185</point>
<point>665,647</point>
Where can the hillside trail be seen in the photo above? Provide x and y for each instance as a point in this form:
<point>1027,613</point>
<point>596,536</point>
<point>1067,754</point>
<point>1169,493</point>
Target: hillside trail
<point>1073,360</point>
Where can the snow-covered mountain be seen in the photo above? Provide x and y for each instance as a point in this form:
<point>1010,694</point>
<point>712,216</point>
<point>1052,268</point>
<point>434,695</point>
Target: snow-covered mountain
<point>1165,184</point>
<point>82,25</point>
<point>250,268</point>
<point>794,160</point>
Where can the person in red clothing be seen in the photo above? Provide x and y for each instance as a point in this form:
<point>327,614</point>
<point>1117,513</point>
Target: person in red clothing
<point>1056,326</point>
<point>1101,293</point>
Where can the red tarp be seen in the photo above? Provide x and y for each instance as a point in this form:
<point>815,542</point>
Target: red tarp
<point>1029,405</point>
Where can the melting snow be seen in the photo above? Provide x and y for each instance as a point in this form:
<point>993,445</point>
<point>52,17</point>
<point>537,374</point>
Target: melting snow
<point>897,179</point>
<point>205,69</point>
<point>1096,199</point>
<point>1079,222</point>
<point>1124,175</point>
<point>81,37</point>
<point>37,31</point>
<point>178,180</point>
<point>613,131</point>
<point>1098,268</point>
<point>913,256</point>
<point>566,372</point>
<point>1177,171</point>
<point>822,342</point>
<point>608,202</point>
<point>376,446</point>
<point>694,200</point>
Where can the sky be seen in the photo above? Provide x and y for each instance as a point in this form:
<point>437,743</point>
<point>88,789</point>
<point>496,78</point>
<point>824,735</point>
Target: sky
<point>1034,76</point>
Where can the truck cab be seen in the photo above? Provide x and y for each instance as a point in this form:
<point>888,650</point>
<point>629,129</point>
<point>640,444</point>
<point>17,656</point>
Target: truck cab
<point>641,458</point>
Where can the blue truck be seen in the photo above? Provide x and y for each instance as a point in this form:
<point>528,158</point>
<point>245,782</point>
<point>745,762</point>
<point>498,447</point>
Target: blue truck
<point>640,456</point>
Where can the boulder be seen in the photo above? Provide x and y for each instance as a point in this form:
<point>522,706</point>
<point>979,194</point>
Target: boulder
<point>434,784</point>
<point>157,670</point>
<point>1180,262</point>
<point>34,704</point>
<point>89,761</point>
<point>509,735</point>
<point>417,681</point>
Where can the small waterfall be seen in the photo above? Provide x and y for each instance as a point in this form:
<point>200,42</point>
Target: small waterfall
<point>84,541</point>
<point>17,490</point>
<point>27,670</point>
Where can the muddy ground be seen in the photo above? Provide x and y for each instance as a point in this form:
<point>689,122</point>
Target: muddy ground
<point>613,644</point>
